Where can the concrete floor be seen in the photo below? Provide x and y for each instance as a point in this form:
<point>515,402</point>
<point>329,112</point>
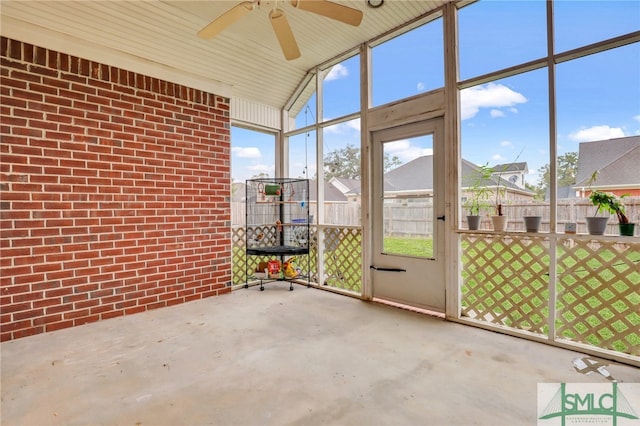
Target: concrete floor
<point>306,357</point>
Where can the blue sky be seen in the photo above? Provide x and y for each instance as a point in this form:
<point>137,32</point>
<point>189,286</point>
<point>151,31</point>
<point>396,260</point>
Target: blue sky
<point>598,96</point>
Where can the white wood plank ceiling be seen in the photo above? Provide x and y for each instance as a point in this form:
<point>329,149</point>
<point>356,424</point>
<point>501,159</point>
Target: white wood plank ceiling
<point>245,58</point>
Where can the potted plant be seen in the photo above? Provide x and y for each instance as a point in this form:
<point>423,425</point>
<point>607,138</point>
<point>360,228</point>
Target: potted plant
<point>626,228</point>
<point>500,220</point>
<point>532,222</point>
<point>607,202</point>
<point>596,225</point>
<point>480,193</point>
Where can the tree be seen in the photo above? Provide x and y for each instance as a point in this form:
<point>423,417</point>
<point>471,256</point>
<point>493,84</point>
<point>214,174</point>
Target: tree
<point>345,163</point>
<point>260,175</point>
<point>566,169</point>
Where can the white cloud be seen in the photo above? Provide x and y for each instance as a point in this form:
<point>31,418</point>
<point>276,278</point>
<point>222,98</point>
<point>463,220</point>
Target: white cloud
<point>496,113</point>
<point>344,127</point>
<point>246,152</point>
<point>636,117</point>
<point>506,143</point>
<point>397,146</point>
<point>420,86</point>
<point>596,133</point>
<point>260,168</point>
<point>336,128</point>
<point>497,157</point>
<point>490,95</point>
<point>337,71</point>
<point>354,124</point>
<point>405,151</point>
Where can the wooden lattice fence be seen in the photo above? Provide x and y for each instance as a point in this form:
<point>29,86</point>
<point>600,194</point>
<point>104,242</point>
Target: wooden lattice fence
<point>506,283</point>
<point>342,257</point>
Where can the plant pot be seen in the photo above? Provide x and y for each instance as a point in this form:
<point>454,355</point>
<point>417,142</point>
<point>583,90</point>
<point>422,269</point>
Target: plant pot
<point>473,222</point>
<point>499,223</point>
<point>532,223</point>
<point>596,225</point>
<point>570,228</point>
<point>627,229</point>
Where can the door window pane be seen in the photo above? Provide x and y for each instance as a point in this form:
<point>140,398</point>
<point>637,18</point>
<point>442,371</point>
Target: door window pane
<point>408,213</point>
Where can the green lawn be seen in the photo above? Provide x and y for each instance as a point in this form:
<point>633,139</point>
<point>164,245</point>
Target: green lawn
<point>420,247</point>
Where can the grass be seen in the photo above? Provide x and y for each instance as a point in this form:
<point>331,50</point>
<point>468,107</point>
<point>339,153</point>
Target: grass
<point>419,247</point>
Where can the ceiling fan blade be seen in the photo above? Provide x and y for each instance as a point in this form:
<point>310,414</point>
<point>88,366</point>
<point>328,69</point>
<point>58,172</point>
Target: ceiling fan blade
<point>284,34</point>
<point>226,19</point>
<point>336,11</point>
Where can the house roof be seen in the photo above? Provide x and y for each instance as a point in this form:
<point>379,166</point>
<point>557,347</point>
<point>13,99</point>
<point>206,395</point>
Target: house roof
<point>403,178</point>
<point>159,39</point>
<point>346,185</point>
<point>331,193</point>
<point>511,167</point>
<point>616,160</point>
<point>563,193</point>
<point>471,172</point>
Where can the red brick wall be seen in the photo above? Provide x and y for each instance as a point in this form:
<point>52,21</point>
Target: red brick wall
<point>114,192</point>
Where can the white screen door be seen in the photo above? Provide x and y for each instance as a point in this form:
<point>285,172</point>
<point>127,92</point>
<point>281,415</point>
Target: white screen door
<point>408,215</point>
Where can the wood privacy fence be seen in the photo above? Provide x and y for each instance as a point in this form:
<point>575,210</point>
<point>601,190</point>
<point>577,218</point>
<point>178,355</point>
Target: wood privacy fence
<point>570,210</point>
<point>334,213</point>
<point>407,219</point>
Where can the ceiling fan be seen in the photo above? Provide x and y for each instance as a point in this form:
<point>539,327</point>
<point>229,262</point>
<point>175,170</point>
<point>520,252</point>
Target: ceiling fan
<point>279,21</point>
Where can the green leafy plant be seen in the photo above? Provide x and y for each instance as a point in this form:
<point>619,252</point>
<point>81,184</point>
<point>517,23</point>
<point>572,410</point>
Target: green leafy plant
<point>501,187</point>
<point>607,201</point>
<point>480,192</point>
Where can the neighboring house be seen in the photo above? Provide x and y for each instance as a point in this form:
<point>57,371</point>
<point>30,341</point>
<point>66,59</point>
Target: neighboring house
<point>332,193</point>
<point>349,187</point>
<point>512,172</point>
<point>511,179</point>
<point>402,180</point>
<point>563,193</point>
<point>616,161</point>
